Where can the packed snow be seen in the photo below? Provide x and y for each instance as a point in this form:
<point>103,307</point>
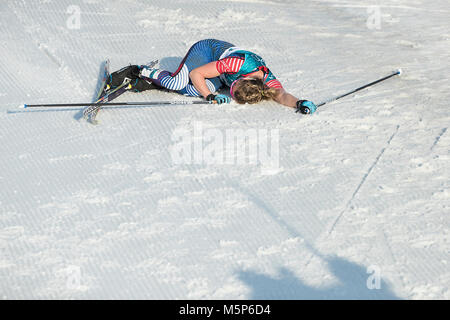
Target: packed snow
<point>351,202</point>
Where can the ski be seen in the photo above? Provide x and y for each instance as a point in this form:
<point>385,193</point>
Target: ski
<point>91,111</point>
<point>106,73</point>
<point>102,87</point>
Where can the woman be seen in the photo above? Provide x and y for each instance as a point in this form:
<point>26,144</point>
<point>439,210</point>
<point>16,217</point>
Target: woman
<point>208,65</point>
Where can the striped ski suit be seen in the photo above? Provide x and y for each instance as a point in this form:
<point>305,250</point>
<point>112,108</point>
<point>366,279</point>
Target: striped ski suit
<point>199,54</point>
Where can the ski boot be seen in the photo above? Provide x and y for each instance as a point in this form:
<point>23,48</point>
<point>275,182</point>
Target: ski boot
<point>131,74</point>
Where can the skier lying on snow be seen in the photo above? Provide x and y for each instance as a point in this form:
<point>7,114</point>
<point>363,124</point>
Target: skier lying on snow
<point>206,67</point>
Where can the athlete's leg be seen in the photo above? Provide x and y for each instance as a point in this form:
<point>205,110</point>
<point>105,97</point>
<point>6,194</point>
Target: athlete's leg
<point>199,54</point>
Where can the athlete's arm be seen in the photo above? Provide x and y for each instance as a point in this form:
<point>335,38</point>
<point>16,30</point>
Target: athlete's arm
<point>285,98</point>
<point>199,75</point>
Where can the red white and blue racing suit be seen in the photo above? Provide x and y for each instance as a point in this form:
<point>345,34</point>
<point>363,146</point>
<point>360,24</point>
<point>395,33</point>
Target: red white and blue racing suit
<point>232,64</point>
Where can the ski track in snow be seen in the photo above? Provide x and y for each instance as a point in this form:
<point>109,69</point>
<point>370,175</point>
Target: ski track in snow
<point>362,181</point>
<point>104,212</point>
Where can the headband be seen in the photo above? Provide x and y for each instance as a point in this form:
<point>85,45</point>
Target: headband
<point>231,87</point>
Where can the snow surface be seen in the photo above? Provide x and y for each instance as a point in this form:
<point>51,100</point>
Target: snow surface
<point>356,208</point>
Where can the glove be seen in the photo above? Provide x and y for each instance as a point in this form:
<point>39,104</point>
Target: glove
<point>220,98</point>
<point>305,107</point>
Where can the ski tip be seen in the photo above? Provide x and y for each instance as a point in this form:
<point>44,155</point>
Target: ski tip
<point>22,106</point>
<point>399,72</point>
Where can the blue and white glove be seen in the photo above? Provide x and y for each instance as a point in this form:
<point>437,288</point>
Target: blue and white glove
<point>305,107</point>
<point>220,98</point>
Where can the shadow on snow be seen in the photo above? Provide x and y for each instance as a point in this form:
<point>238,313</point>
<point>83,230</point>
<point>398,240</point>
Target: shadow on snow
<point>352,284</point>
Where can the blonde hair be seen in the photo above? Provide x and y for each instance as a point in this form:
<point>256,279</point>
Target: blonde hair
<point>252,91</point>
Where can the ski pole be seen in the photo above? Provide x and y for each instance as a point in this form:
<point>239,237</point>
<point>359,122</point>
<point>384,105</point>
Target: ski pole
<point>143,103</point>
<point>305,110</point>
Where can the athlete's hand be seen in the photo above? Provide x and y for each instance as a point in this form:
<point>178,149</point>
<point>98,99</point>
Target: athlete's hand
<point>305,107</point>
<point>220,98</point>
